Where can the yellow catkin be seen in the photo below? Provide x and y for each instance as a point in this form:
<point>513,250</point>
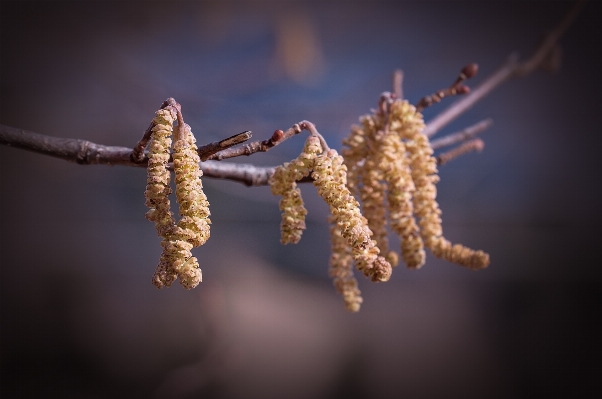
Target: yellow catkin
<point>398,176</point>
<point>283,183</point>
<point>158,190</point>
<point>327,171</point>
<point>372,192</point>
<point>341,259</point>
<point>341,269</point>
<point>354,153</point>
<point>363,153</point>
<point>193,228</point>
<point>409,124</point>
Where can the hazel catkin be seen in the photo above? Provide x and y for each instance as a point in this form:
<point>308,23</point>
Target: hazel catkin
<point>193,228</point>
<point>341,269</point>
<point>409,124</point>
<point>346,212</point>
<point>283,183</point>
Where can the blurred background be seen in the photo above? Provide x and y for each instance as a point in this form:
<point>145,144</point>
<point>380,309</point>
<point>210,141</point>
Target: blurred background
<point>79,316</point>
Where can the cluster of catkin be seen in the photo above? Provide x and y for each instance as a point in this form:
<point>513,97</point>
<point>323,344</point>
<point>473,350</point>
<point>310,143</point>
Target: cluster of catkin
<point>351,237</point>
<point>193,228</point>
<point>391,168</point>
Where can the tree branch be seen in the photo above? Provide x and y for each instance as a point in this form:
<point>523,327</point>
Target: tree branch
<point>85,152</point>
<point>82,152</point>
<point>511,68</point>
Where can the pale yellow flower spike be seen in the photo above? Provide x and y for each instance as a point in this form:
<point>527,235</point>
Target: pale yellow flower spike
<point>354,156</point>
<point>373,191</point>
<point>409,124</point>
<point>341,260</point>
<point>365,177</point>
<point>327,174</point>
<point>341,268</point>
<point>283,183</point>
<point>400,190</point>
<point>158,190</point>
<point>193,228</point>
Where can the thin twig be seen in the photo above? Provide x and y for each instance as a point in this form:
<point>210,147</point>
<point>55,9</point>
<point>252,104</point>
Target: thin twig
<point>263,146</point>
<point>462,135</point>
<point>311,128</point>
<point>398,84</point>
<point>466,102</point>
<point>457,88</point>
<point>207,150</point>
<point>469,146</point>
<point>179,132</point>
<point>257,146</point>
<point>550,42</point>
<point>511,68</point>
<point>138,150</point>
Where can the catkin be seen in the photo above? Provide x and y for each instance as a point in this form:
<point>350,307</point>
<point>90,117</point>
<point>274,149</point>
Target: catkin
<point>158,190</point>
<point>193,228</point>
<point>372,195</point>
<point>345,210</point>
<point>391,165</point>
<point>350,235</point>
<point>409,124</point>
<point>400,190</point>
<point>354,153</point>
<point>341,259</point>
<point>283,183</point>
<point>341,268</point>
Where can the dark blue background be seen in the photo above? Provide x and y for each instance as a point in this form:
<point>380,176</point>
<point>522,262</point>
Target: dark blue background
<point>79,316</point>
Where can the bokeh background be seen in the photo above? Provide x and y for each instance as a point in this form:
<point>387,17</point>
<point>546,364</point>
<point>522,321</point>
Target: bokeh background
<point>79,316</point>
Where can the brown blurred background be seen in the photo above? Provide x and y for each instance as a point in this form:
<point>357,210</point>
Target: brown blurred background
<point>79,316</point>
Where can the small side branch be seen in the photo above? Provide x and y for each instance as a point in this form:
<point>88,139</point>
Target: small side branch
<point>398,84</point>
<point>311,128</point>
<point>208,150</point>
<point>257,146</point>
<point>511,68</point>
<point>550,42</point>
<point>457,88</point>
<point>277,138</point>
<point>469,146</point>
<point>466,102</point>
<point>462,135</point>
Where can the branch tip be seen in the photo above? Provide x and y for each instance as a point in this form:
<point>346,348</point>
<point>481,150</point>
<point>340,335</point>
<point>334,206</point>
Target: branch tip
<point>470,146</point>
<point>469,71</point>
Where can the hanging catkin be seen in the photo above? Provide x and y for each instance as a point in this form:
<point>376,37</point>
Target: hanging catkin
<point>193,228</point>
